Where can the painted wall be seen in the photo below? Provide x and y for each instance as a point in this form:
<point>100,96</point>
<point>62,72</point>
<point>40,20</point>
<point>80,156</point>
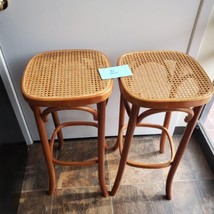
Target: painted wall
<point>113,27</point>
<point>206,52</point>
<point>205,55</point>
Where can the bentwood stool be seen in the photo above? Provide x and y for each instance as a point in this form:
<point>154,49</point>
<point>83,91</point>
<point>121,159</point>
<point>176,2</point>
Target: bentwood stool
<point>68,80</point>
<point>162,81</point>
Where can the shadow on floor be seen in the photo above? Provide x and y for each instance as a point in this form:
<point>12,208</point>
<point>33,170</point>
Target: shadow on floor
<point>13,158</point>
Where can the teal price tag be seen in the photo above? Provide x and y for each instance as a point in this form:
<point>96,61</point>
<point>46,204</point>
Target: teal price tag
<point>115,72</point>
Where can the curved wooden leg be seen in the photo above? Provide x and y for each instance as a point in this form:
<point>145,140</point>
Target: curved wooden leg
<point>180,151</point>
<point>59,134</point>
<point>163,135</point>
<point>101,108</point>
<point>129,135</point>
<point>46,149</point>
<point>121,122</point>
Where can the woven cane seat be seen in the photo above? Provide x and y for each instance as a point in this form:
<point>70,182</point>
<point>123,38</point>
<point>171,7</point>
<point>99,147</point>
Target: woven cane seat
<point>62,77</point>
<point>164,79</point>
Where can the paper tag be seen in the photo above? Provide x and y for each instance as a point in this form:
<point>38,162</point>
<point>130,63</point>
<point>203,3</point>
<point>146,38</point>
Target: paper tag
<point>115,72</point>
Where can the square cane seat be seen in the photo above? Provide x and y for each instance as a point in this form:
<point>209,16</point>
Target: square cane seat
<point>66,78</point>
<point>165,79</point>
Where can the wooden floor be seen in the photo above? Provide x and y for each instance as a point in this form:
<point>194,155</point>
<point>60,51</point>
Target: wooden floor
<point>13,158</point>
<point>141,191</point>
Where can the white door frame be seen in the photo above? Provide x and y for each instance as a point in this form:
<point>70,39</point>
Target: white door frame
<point>8,84</point>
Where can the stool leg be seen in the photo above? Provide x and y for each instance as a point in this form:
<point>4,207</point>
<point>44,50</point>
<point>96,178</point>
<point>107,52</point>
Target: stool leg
<point>183,143</point>
<point>59,134</point>
<point>46,149</point>
<point>101,107</point>
<point>128,139</point>
<point>163,135</point>
<point>121,122</point>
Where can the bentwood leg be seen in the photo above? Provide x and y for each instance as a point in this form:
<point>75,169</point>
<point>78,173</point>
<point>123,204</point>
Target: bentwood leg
<point>121,121</point>
<point>59,134</point>
<point>163,135</point>
<point>183,143</point>
<point>128,139</point>
<point>101,108</point>
<point>46,149</point>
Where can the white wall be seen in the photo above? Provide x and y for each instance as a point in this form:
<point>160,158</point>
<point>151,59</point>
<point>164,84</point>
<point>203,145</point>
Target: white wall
<point>205,56</point>
<point>113,27</point>
<point>206,52</point>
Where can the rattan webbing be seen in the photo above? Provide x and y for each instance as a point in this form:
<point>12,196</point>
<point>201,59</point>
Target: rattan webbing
<point>65,74</point>
<point>166,76</point>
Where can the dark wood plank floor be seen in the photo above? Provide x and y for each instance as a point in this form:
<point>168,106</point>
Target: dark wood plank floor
<point>13,159</point>
<point>141,190</point>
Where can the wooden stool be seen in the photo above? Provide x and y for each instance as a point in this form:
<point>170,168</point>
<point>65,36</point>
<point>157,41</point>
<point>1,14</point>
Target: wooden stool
<point>68,80</point>
<point>162,81</point>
